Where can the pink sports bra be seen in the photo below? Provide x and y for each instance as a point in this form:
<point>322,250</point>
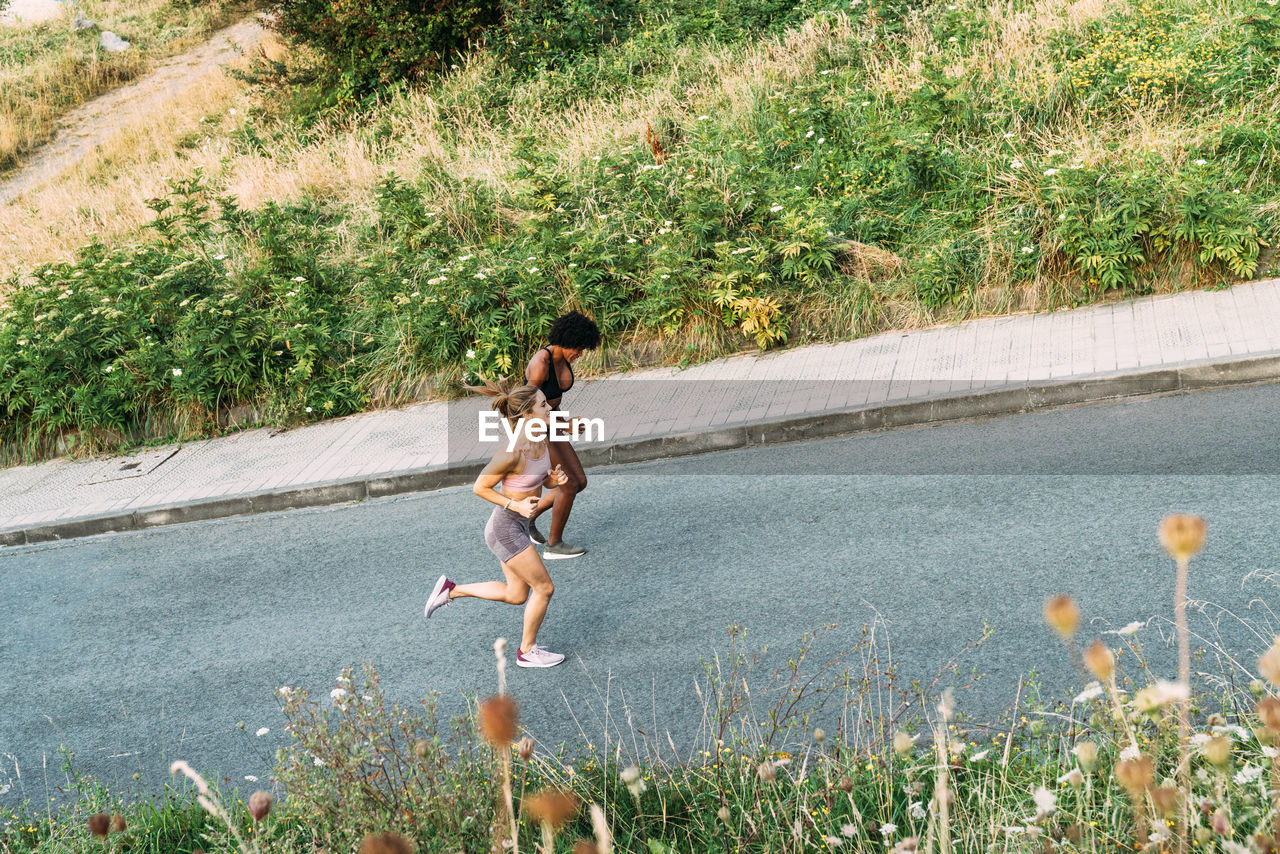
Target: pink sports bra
<point>535,472</point>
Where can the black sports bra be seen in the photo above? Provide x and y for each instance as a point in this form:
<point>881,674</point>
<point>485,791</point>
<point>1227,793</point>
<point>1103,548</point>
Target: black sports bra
<point>551,387</point>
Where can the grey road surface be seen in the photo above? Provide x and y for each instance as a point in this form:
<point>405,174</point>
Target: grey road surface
<point>141,648</point>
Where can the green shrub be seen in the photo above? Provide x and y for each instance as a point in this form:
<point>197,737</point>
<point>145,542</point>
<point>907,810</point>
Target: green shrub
<point>945,272</point>
<point>363,46</point>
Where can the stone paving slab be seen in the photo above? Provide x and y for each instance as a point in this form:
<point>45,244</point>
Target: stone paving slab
<point>983,367</point>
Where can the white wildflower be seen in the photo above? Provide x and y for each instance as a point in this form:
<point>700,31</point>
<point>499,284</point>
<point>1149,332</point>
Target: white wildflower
<point>1016,164</point>
<point>261,732</point>
<point>1131,629</point>
<point>338,693</point>
<point>177,372</point>
<point>1201,162</point>
<point>821,140</point>
<point>809,134</point>
<point>471,354</point>
<point>1051,171</point>
<point>1027,250</point>
<point>775,208</point>
<point>887,830</point>
<point>1130,753</point>
<point>299,278</point>
<point>703,118</point>
<point>1248,774</point>
<point>848,830</point>
<point>917,811</point>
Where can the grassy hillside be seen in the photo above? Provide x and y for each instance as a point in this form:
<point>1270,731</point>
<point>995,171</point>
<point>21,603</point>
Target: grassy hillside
<point>48,69</point>
<point>843,169</point>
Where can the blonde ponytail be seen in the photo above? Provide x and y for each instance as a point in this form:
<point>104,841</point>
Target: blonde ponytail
<point>511,402</point>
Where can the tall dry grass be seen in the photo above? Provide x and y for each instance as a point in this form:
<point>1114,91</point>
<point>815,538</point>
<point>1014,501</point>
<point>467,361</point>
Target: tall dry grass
<point>50,68</point>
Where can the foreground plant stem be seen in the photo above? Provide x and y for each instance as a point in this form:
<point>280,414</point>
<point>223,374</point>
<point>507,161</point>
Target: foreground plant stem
<point>1184,705</point>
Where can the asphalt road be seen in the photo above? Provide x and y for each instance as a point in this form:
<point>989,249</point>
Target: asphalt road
<point>137,649</point>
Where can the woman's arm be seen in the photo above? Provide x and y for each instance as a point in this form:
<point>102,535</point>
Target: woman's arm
<point>538,369</point>
<point>502,464</point>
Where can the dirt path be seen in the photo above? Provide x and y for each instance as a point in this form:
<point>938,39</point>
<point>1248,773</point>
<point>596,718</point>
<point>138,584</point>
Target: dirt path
<point>96,121</point>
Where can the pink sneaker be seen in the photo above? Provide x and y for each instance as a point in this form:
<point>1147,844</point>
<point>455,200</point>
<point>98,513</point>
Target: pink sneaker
<point>439,596</point>
<point>538,656</point>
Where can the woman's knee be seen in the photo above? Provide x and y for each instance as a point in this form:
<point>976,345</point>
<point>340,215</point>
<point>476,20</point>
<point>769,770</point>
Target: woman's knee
<point>575,483</point>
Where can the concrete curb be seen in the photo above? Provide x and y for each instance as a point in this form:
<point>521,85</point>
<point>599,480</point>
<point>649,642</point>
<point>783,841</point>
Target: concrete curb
<point>934,410</point>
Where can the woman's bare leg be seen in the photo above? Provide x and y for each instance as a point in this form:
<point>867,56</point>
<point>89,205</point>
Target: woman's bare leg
<point>561,499</point>
<point>527,584</point>
<point>529,569</point>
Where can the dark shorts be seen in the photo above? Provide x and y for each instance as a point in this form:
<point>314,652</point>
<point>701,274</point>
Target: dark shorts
<point>507,533</point>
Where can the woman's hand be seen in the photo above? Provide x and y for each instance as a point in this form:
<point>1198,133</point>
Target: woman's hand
<point>557,476</point>
<point>525,506</point>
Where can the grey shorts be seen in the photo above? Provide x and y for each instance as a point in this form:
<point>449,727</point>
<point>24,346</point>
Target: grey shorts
<point>507,533</point>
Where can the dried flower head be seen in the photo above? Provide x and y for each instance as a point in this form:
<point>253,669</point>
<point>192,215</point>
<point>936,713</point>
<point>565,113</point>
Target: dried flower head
<point>724,815</point>
<point>1182,535</point>
<point>385,843</point>
<point>1087,755</point>
<point>1269,713</point>
<point>1101,661</point>
<point>903,743</point>
<point>524,748</point>
<point>585,846</point>
<point>118,824</point>
<point>1269,663</point>
<point>767,771</point>
<point>1220,823</point>
<point>499,720</point>
<point>1218,751</point>
<point>633,780</point>
<point>1165,800</point>
<point>260,805</point>
<point>1062,615</point>
<point>100,824</point>
<point>1135,775</point>
<point>422,749</point>
<point>552,807</point>
<point>819,735</point>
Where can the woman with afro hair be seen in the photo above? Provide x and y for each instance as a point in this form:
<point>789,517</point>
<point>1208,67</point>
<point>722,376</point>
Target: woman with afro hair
<point>551,369</point>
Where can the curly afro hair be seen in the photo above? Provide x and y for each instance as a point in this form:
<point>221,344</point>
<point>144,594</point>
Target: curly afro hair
<point>574,331</point>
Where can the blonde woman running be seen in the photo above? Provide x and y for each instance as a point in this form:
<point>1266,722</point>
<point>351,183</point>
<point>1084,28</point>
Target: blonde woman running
<point>523,472</point>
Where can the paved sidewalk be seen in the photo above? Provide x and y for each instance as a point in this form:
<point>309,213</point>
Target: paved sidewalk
<point>987,367</point>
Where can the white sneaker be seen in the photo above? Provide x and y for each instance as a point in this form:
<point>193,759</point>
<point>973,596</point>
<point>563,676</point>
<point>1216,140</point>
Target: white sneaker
<point>538,656</point>
<point>439,596</point>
